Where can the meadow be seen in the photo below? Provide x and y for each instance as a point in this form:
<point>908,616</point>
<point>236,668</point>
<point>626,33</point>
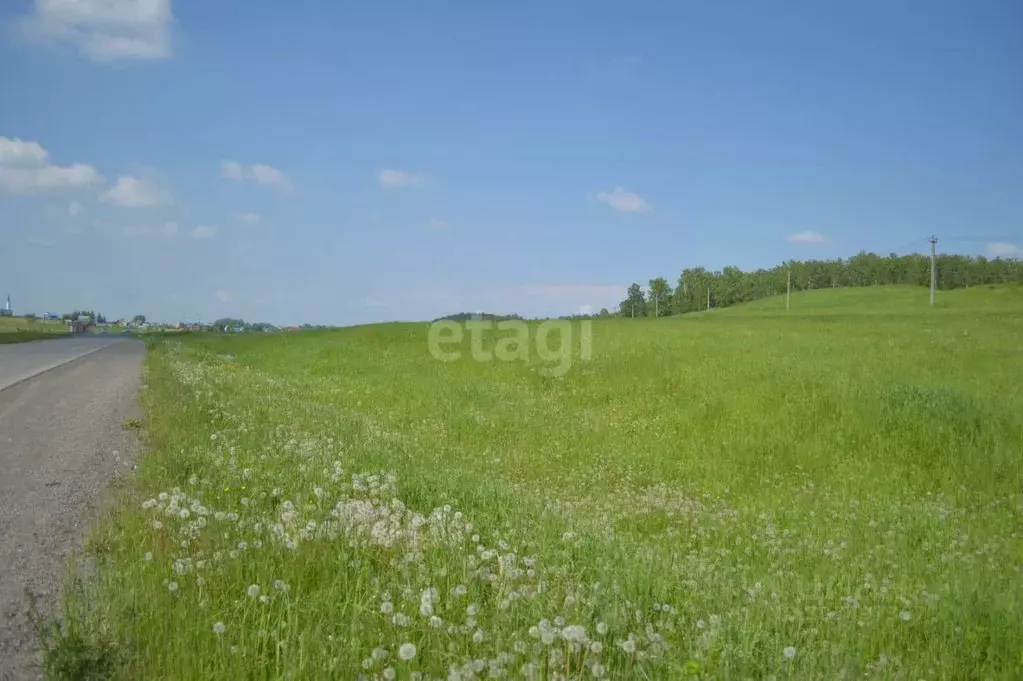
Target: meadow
<point>828,493</point>
<point>22,329</point>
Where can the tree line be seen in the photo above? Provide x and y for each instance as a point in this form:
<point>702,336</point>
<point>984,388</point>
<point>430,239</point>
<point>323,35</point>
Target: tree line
<point>698,288</point>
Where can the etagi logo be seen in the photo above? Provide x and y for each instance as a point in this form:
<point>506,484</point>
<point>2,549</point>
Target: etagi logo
<point>514,340</point>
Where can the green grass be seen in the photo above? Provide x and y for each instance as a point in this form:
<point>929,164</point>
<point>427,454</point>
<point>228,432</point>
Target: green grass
<point>22,329</point>
<point>886,300</point>
<point>739,494</point>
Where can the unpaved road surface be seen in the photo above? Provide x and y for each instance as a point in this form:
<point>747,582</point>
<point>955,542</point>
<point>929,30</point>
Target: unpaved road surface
<point>61,442</point>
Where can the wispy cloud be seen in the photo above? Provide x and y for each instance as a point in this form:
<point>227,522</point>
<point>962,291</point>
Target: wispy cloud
<point>1000,249</point>
<point>203,232</point>
<point>39,240</point>
<point>131,192</point>
<point>224,296</point>
<point>259,173</point>
<point>75,209</point>
<point>808,237</point>
<point>437,225</point>
<point>19,152</point>
<point>247,218</point>
<point>167,230</point>
<point>624,201</point>
<point>24,170</point>
<point>104,30</point>
<point>391,178</point>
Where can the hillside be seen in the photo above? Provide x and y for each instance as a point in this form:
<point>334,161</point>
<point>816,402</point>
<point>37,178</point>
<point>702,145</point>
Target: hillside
<point>881,300</point>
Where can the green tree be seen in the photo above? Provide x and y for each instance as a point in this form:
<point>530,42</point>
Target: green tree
<point>659,298</point>
<point>634,304</point>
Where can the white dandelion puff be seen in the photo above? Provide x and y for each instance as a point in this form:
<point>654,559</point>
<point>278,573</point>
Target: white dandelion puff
<point>407,651</point>
<point>219,628</point>
<point>789,652</point>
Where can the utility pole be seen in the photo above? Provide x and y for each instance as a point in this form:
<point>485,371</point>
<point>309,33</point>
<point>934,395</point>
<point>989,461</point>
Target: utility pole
<point>657,299</point>
<point>788,290</point>
<point>934,277</point>
<point>708,297</point>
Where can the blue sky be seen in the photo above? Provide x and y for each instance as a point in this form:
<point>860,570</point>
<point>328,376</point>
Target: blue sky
<point>342,163</point>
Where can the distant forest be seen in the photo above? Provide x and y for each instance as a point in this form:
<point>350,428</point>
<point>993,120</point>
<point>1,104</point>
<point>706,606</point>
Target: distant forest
<point>732,285</point>
<point>477,316</point>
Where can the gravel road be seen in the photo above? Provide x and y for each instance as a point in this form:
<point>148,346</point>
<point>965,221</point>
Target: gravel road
<point>61,442</point>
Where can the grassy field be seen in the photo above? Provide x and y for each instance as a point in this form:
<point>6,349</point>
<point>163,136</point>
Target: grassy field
<point>21,329</point>
<point>834,493</point>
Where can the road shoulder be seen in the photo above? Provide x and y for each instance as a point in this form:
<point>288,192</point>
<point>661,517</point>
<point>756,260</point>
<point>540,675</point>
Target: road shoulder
<point>61,444</point>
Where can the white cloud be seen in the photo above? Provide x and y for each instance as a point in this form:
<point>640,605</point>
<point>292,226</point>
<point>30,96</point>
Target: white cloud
<point>17,152</point>
<point>203,232</point>
<point>39,240</point>
<point>374,302</point>
<point>399,178</point>
<point>224,296</point>
<point>131,192</point>
<point>24,170</point>
<point>167,230</point>
<point>807,237</point>
<point>34,180</point>
<point>232,170</point>
<point>1000,249</point>
<point>75,209</point>
<point>105,30</point>
<point>259,173</point>
<point>248,218</point>
<point>438,225</point>
<point>623,200</point>
<point>264,174</point>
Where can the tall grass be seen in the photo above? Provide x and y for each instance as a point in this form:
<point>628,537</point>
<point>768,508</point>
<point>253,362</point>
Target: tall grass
<point>716,497</point>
